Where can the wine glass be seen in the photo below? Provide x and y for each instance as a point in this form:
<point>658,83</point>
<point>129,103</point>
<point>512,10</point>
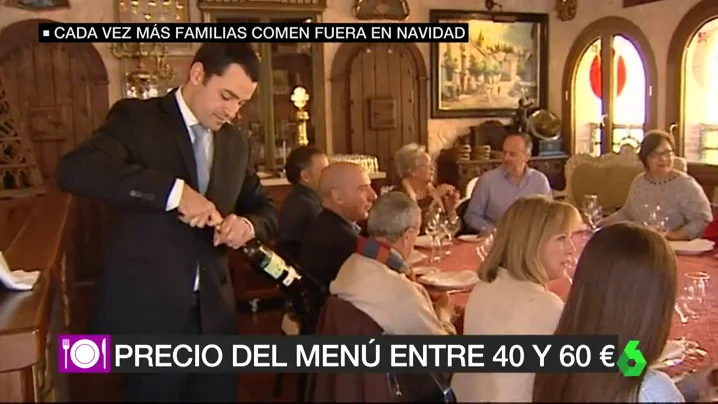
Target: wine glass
<point>451,226</point>
<point>655,218</point>
<point>433,230</point>
<point>688,306</point>
<point>490,238</point>
<point>592,211</point>
<point>485,244</point>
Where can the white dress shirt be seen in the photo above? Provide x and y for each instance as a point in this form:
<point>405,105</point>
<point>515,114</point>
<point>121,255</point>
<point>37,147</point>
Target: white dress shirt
<point>176,194</point>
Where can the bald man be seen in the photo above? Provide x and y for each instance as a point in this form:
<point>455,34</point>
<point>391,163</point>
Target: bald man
<point>346,194</point>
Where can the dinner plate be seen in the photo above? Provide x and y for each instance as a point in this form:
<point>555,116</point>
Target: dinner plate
<point>425,242</point>
<point>673,354</point>
<point>693,247</point>
<point>421,271</point>
<point>469,238</point>
<point>450,280</point>
<point>416,257</point>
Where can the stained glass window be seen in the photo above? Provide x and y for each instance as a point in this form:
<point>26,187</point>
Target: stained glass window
<point>628,114</point>
<point>588,105</point>
<point>629,104</point>
<point>700,95</point>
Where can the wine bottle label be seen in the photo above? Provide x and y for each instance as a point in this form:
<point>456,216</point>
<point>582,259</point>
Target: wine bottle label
<point>291,276</point>
<point>275,266</point>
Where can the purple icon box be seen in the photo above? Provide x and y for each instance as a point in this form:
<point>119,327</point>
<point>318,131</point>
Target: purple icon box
<point>79,353</point>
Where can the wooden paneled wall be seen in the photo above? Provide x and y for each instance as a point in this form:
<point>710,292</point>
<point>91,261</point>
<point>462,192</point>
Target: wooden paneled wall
<point>13,214</point>
<point>31,321</point>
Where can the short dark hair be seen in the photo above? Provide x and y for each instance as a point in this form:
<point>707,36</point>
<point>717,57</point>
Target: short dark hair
<point>525,137</point>
<point>216,57</point>
<point>300,159</point>
<point>650,143</point>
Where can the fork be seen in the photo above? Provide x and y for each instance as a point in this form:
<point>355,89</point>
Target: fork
<point>65,347</point>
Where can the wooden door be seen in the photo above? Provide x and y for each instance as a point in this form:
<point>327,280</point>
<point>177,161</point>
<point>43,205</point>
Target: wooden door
<point>59,93</point>
<point>378,100</point>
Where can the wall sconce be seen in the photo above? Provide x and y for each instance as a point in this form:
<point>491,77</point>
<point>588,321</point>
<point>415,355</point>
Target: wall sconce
<point>566,9</point>
<point>491,4</point>
<point>299,99</point>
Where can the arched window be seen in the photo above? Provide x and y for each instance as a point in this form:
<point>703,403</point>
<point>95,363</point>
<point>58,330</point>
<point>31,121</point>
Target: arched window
<point>692,96</point>
<point>609,87</point>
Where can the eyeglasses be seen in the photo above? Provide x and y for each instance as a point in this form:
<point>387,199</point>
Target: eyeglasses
<point>662,154</point>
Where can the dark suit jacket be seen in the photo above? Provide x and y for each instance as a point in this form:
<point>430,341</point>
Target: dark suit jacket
<point>298,210</point>
<point>339,317</point>
<point>131,163</point>
<point>329,241</point>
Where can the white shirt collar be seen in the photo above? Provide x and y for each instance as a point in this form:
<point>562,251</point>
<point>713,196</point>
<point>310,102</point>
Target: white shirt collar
<point>187,115</point>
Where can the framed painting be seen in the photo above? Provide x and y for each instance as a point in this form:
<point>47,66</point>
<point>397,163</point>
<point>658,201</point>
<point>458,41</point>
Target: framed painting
<point>381,9</point>
<point>505,60</point>
<point>633,3</point>
<point>36,5</point>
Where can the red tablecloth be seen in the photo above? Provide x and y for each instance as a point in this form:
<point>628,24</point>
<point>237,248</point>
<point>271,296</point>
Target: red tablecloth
<point>704,329</point>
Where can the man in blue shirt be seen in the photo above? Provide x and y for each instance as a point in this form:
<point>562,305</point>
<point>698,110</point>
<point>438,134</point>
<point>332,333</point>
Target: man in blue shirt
<point>497,189</point>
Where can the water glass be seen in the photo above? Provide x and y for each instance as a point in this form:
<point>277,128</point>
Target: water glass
<point>696,283</point>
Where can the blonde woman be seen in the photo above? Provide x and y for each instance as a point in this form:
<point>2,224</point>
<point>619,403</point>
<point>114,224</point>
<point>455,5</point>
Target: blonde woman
<point>416,169</point>
<point>532,247</point>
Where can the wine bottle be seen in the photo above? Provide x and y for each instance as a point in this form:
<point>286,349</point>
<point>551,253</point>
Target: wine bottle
<point>299,290</point>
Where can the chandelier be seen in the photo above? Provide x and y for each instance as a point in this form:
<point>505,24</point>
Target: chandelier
<point>151,69</point>
<point>151,10</point>
<point>144,81</point>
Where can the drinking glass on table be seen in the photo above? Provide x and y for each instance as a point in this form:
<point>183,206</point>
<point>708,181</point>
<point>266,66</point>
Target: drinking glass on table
<point>451,226</point>
<point>655,218</point>
<point>688,306</point>
<point>490,238</point>
<point>433,229</point>
<point>592,211</point>
<point>485,244</point>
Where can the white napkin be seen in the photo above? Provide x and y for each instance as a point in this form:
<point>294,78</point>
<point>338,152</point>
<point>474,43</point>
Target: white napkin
<point>17,280</point>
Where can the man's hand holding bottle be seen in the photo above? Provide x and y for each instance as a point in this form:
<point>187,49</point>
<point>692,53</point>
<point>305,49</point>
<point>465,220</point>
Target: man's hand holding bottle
<point>234,231</point>
<point>198,211</point>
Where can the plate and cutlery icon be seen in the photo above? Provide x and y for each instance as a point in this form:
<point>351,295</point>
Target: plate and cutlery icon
<point>84,353</point>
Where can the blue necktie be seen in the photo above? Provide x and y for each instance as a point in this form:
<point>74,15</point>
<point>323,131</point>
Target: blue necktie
<point>200,156</point>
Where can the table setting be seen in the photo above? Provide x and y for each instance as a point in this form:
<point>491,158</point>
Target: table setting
<point>452,267</point>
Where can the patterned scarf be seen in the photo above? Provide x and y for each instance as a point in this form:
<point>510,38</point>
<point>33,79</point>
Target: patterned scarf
<point>383,253</point>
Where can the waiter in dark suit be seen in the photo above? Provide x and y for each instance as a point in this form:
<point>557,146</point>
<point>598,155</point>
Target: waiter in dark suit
<point>181,180</point>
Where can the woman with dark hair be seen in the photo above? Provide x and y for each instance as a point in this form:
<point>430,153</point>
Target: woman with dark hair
<point>676,197</point>
<point>625,285</point>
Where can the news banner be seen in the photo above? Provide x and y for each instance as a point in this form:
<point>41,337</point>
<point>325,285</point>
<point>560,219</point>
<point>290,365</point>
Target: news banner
<point>321,354</point>
<point>240,32</point>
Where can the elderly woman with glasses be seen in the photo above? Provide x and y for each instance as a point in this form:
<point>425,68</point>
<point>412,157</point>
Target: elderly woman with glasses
<point>416,169</point>
<point>664,197</point>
